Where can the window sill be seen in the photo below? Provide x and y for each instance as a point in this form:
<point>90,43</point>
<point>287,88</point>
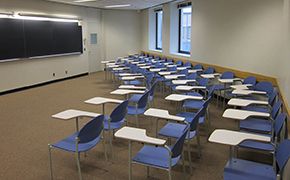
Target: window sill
<point>156,50</point>
<point>181,54</point>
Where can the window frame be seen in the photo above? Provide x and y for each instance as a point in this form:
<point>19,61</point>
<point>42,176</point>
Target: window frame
<point>179,30</point>
<point>156,29</point>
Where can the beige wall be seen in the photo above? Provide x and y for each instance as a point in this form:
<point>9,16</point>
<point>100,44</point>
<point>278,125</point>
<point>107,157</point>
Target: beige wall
<point>116,38</point>
<point>242,34</point>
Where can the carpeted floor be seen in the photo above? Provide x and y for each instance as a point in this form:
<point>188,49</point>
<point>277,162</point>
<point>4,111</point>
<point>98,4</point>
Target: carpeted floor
<point>26,127</point>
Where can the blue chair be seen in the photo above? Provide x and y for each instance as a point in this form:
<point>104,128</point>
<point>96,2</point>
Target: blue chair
<point>197,104</point>
<point>209,70</point>
<point>187,64</point>
<point>175,130</point>
<point>87,138</point>
<point>140,107</point>
<point>264,86</point>
<point>136,97</point>
<point>261,125</point>
<point>179,63</point>
<point>250,80</point>
<point>197,66</point>
<point>162,157</point>
<point>271,100</point>
<point>203,118</point>
<point>239,169</point>
<point>279,123</point>
<point>115,120</point>
<point>222,87</point>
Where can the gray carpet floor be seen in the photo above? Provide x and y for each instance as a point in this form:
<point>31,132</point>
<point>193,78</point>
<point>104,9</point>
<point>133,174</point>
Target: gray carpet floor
<point>26,127</point>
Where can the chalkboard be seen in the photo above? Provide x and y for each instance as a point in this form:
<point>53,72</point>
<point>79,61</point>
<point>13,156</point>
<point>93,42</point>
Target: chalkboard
<point>11,39</point>
<point>30,38</point>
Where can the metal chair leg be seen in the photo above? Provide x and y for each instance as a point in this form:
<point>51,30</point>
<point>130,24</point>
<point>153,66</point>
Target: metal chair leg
<point>111,144</point>
<point>199,146</point>
<point>50,161</point>
<point>148,171</point>
<point>189,156</point>
<point>79,165</point>
<point>169,174</point>
<point>104,146</point>
<point>183,162</point>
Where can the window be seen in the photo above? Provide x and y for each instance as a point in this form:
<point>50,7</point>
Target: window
<point>159,14</point>
<point>184,28</point>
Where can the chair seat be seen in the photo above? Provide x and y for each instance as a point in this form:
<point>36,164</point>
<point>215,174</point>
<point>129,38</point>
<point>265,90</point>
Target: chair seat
<point>256,125</point>
<point>238,169</point>
<point>189,115</point>
<point>257,108</point>
<point>154,156</point>
<point>175,130</point>
<point>68,144</point>
<point>134,82</point>
<point>219,87</point>
<point>257,145</point>
<point>133,111</point>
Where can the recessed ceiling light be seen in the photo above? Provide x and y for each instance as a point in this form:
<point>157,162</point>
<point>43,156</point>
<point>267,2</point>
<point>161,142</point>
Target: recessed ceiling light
<point>80,1</point>
<point>118,6</point>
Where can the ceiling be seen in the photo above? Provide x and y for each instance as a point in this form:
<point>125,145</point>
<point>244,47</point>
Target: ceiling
<point>135,4</point>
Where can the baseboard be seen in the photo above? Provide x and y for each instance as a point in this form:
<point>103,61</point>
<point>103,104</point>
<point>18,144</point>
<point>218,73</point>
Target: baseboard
<point>41,84</point>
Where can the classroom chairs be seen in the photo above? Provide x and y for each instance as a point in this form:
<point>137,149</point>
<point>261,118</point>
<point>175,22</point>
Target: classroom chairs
<point>197,66</point>
<point>209,70</point>
<point>87,138</point>
<point>261,125</point>
<point>240,169</point>
<point>162,157</point>
<point>139,107</point>
<point>278,136</point>
<point>174,130</point>
<point>115,120</point>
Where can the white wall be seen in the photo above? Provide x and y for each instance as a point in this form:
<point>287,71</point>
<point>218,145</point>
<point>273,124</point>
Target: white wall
<point>241,34</point>
<point>116,38</point>
<point>122,33</point>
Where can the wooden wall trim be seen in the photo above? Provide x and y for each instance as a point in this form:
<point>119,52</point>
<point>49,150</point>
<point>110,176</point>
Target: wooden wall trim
<point>238,73</point>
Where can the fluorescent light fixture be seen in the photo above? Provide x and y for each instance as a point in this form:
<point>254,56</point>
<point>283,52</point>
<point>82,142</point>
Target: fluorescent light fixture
<point>81,1</point>
<point>41,17</point>
<point>118,6</point>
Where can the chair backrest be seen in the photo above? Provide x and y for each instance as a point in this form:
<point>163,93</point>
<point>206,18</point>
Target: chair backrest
<point>264,86</point>
<point>279,123</point>
<point>211,90</point>
<point>227,75</point>
<point>250,80</point>
<point>197,66</point>
<point>203,81</point>
<point>276,108</point>
<point>191,76</point>
<point>283,154</point>
<point>179,63</point>
<point>119,113</point>
<point>209,70</point>
<point>149,78</point>
<point>91,130</point>
<point>187,64</point>
<point>169,60</point>
<point>174,68</point>
<point>184,71</point>
<point>272,97</point>
<point>178,146</point>
<point>194,122</point>
<point>142,103</point>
